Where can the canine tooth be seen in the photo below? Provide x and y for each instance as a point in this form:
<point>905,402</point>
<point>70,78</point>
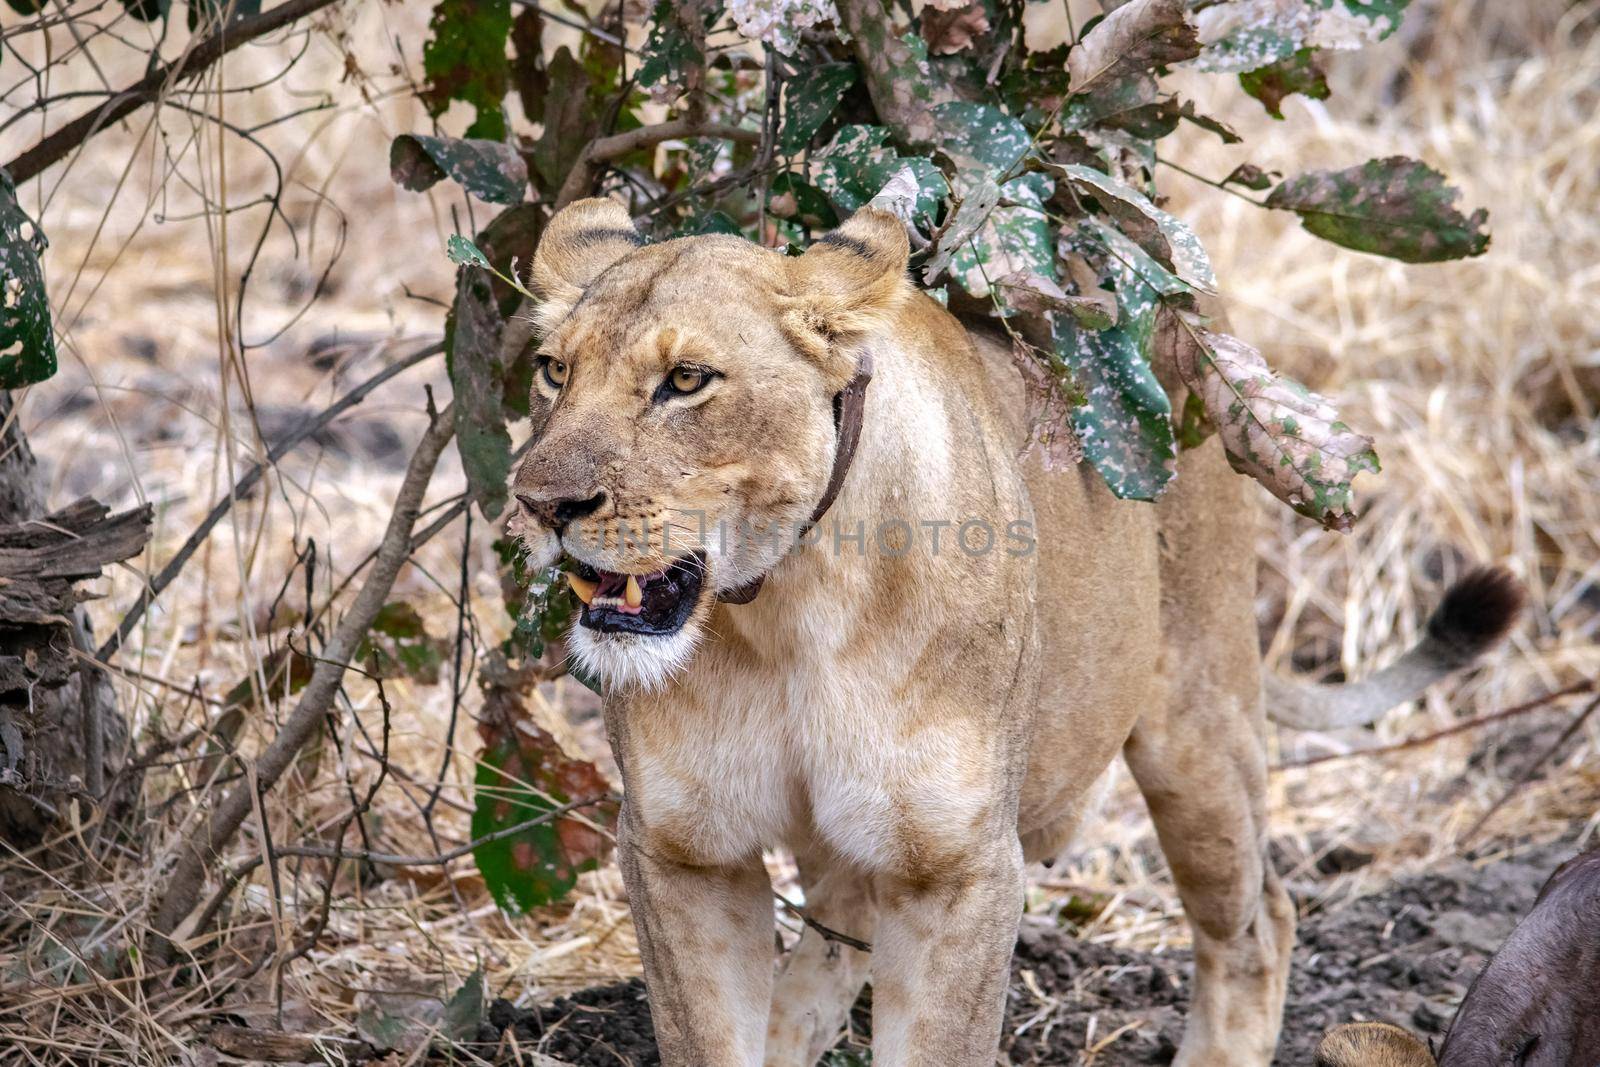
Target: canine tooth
<point>634,594</point>
<point>582,586</point>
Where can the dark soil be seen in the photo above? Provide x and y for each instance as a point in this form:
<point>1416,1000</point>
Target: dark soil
<point>1404,955</point>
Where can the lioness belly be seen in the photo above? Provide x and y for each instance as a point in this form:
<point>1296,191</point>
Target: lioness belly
<point>1097,616</point>
<point>1099,623</point>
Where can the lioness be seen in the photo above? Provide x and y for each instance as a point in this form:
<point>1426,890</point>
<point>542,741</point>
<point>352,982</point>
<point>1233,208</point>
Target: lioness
<point>915,717</point>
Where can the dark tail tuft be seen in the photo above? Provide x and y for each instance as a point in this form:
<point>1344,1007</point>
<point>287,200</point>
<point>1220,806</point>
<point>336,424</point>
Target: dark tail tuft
<point>1476,613</point>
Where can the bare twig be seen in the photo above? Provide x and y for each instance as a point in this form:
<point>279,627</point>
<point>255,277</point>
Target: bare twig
<point>1535,704</point>
<point>1532,769</point>
<point>827,932</point>
<point>55,147</point>
<point>602,150</point>
<point>188,876</point>
<point>243,486</point>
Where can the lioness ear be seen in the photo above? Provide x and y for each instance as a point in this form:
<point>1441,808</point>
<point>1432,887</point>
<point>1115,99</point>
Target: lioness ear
<point>846,286</point>
<point>581,241</point>
<point>1371,1045</point>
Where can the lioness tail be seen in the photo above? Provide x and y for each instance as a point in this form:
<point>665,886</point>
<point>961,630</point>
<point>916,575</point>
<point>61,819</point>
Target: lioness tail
<point>1475,614</point>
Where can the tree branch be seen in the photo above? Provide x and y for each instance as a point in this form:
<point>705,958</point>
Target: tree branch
<point>886,61</point>
<point>602,150</point>
<point>58,144</point>
<point>188,876</point>
<point>243,486</point>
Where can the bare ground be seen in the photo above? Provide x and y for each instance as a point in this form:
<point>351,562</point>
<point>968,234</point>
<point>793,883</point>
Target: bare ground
<point>1404,955</point>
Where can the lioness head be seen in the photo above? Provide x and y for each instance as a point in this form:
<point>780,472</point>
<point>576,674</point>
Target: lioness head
<point>683,398</point>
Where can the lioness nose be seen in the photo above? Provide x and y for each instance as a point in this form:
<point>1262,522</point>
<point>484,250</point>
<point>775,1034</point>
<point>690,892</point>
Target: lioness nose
<point>557,513</point>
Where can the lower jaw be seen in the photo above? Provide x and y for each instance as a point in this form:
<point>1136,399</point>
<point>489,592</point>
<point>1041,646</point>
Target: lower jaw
<point>653,621</point>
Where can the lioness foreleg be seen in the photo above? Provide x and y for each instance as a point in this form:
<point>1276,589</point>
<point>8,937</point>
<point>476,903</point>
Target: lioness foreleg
<point>941,960</point>
<point>822,977</point>
<point>705,936</point>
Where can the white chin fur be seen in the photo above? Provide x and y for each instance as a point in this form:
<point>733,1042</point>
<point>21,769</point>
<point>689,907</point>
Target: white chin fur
<point>624,661</point>
<point>540,548</point>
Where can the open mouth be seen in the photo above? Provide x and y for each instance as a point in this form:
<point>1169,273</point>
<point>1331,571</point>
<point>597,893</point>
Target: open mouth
<point>658,603</point>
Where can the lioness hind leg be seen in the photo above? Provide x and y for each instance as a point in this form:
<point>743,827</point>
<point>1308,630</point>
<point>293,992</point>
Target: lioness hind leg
<point>1200,761</point>
<point>1205,794</point>
<point>822,976</point>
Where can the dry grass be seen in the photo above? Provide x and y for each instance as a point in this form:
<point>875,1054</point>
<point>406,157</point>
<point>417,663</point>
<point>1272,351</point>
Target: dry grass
<point>1480,381</point>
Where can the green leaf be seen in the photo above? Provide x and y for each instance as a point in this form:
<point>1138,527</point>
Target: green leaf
<point>465,59</point>
<point>1300,73</point>
<point>794,198</point>
<point>465,1010</point>
<point>709,222</point>
<point>1125,421</point>
<point>1395,207</point>
<point>1244,35</point>
<point>522,775</point>
<point>540,604</point>
<point>1274,429</point>
<point>668,50</point>
<point>1014,237</point>
<point>489,170</point>
<point>463,253</point>
<point>27,342</point>
<point>472,352</point>
<point>859,161</point>
<point>574,109</point>
<point>978,137</point>
<point>809,99</point>
<point>1184,252</point>
<point>400,643</point>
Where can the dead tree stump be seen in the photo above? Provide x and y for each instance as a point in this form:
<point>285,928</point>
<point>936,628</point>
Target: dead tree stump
<point>61,734</point>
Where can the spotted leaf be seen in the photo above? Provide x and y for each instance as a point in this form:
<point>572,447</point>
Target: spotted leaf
<point>489,170</point>
<point>809,99</point>
<point>27,342</point>
<point>1177,244</point>
<point>1394,207</point>
<point>1274,429</point>
<point>1131,41</point>
<point>1300,73</point>
<point>1244,35</point>
<point>1125,421</point>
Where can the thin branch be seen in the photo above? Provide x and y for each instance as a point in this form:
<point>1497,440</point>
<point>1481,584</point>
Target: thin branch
<point>243,486</point>
<point>602,150</point>
<point>827,932</point>
<point>1224,186</point>
<point>188,875</point>
<point>439,859</point>
<point>56,146</point>
<point>1532,769</point>
<point>1535,704</point>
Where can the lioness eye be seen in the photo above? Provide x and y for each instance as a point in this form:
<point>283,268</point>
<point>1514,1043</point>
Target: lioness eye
<point>687,380</point>
<point>555,372</point>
